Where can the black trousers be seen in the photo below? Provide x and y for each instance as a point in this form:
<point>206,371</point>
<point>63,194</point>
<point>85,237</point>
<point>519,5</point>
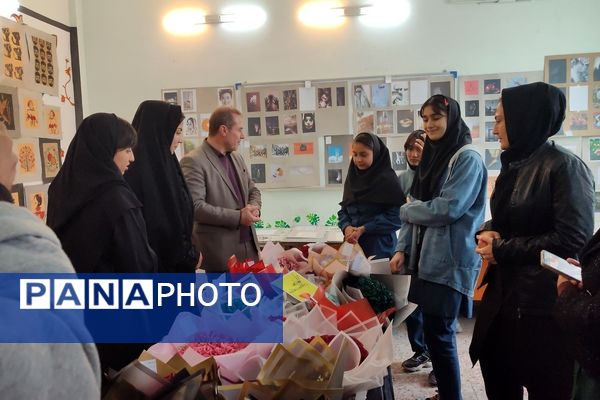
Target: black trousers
<point>526,352</point>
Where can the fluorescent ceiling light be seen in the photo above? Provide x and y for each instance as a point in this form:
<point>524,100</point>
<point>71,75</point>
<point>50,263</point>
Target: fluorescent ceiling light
<point>385,13</point>
<point>243,17</point>
<point>8,7</point>
<point>321,14</point>
<point>185,21</point>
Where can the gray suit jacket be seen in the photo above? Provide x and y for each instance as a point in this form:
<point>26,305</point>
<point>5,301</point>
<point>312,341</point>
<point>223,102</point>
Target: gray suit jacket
<point>216,208</point>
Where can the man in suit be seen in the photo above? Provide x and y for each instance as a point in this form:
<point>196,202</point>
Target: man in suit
<point>226,201</point>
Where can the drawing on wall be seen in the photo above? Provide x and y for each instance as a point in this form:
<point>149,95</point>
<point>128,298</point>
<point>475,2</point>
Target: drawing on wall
<point>334,176</point>
<point>596,74</point>
<point>557,71</point>
<point>304,149</point>
<point>492,159</point>
<point>253,101</point>
<point>596,120</point>
<point>398,160</point>
<point>7,110</point>
<point>271,102</point>
<point>280,150</point>
<point>595,149</point>
<point>490,107</point>
<point>595,98</point>
<point>32,112</point>
<point>492,86</point>
<point>471,87</point>
<point>335,154</point>
<point>17,193</point>
<point>272,125</point>
<point>516,81</point>
<point>52,122</point>
<point>258,151</point>
<point>254,126</point>
<point>442,88</point>
<point>579,69</point>
<point>489,132</point>
<point>258,172</point>
<point>37,200</point>
<point>51,161</point>
<point>290,124</point>
<point>578,121</point>
<point>13,54</point>
<point>225,97</point>
<point>406,123</point>
<point>308,123</point>
<point>171,96</point>
<point>381,95</point>
<point>362,96</point>
<point>340,96</point>
<point>385,122</point>
<point>365,121</point>
<point>28,160</point>
<point>324,97</point>
<point>277,172</point>
<point>400,93</point>
<point>472,108</point>
<point>188,100</point>
<point>190,127</point>
<point>43,49</point>
<point>290,100</point>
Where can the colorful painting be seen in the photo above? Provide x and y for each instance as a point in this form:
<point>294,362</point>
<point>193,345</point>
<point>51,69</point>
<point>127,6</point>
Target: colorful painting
<point>37,200</point>
<point>31,114</point>
<point>594,149</point>
<point>51,160</point>
<point>304,149</point>
<point>52,123</point>
<point>7,109</point>
<point>28,160</point>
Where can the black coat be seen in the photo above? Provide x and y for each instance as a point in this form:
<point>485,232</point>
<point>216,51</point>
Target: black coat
<point>550,208</point>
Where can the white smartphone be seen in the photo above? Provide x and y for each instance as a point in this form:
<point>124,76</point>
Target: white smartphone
<point>560,266</point>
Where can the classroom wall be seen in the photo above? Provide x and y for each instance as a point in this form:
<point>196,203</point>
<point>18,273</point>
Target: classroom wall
<point>129,57</point>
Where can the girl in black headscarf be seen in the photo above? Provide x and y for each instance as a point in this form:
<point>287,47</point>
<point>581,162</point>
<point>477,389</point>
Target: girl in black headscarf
<point>96,215</point>
<point>449,191</point>
<point>93,211</point>
<point>543,200</point>
<point>372,198</point>
<point>156,179</point>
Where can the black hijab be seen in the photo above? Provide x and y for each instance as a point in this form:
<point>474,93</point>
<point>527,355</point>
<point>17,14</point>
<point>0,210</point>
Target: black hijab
<point>532,113</point>
<point>437,154</point>
<point>379,183</point>
<point>157,180</point>
<point>89,193</point>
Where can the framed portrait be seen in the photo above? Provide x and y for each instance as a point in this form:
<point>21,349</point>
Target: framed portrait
<point>18,194</point>
<point>225,97</point>
<point>50,156</point>
<point>8,110</point>
<point>171,96</point>
<point>188,100</point>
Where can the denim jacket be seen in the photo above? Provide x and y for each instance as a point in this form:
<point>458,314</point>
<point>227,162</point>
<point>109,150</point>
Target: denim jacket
<point>451,219</point>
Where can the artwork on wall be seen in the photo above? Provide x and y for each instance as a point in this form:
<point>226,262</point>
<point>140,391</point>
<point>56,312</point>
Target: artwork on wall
<point>14,54</point>
<point>8,110</point>
<point>18,194</point>
<point>29,168</point>
<point>188,100</point>
<point>290,100</point>
<point>324,97</point>
<point>578,76</point>
<point>36,200</point>
<point>171,96</point>
<point>31,113</point>
<point>51,125</point>
<point>254,126</point>
<point>190,125</point>
<point>42,49</point>
<point>253,101</point>
<point>225,97</point>
<point>50,157</point>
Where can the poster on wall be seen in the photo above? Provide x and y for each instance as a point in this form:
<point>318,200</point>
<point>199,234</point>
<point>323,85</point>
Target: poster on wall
<point>42,50</point>
<point>15,62</point>
<point>36,200</point>
<point>51,122</point>
<point>30,113</point>
<point>9,115</point>
<point>50,157</point>
<point>17,193</point>
<point>29,168</point>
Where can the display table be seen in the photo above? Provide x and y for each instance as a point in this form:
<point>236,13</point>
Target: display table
<point>299,235</point>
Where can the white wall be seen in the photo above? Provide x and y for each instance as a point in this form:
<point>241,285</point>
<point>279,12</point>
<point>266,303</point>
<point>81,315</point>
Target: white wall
<point>58,10</point>
<point>129,58</point>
